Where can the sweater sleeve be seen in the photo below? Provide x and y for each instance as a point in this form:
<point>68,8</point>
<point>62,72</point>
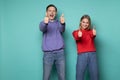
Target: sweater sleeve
<point>43,26</point>
<point>62,27</point>
<point>75,35</point>
<point>91,34</point>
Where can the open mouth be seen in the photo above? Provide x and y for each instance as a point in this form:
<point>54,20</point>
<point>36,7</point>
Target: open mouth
<point>51,15</point>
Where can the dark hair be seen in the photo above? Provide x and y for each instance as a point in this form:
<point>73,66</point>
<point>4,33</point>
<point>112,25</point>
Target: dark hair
<point>87,17</point>
<point>51,5</point>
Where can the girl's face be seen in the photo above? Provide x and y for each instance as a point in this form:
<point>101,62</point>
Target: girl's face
<point>51,13</point>
<point>84,23</point>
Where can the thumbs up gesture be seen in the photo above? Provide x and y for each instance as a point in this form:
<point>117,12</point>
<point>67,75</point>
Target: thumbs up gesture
<point>79,33</point>
<point>94,31</point>
<point>46,19</point>
<point>62,19</point>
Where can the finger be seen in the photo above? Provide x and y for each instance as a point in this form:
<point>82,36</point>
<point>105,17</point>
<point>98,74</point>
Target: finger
<point>62,15</point>
<point>79,31</point>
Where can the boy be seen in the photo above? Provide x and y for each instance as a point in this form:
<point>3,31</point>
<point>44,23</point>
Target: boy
<point>53,44</point>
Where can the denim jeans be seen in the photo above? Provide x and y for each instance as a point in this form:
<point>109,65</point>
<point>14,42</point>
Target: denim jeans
<point>84,61</point>
<point>57,58</point>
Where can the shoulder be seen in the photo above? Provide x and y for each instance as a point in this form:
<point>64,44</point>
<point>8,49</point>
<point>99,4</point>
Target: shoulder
<point>90,31</point>
<point>42,22</point>
<point>75,31</point>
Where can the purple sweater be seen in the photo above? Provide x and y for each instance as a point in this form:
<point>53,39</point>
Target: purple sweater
<point>52,35</point>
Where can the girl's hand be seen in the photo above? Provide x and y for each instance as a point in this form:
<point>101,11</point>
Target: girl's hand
<point>62,19</point>
<point>46,19</point>
<point>79,33</point>
<point>94,32</point>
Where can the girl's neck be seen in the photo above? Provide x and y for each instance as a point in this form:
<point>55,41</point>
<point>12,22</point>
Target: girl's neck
<point>85,29</point>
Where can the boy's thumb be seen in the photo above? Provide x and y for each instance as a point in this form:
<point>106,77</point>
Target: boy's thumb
<point>62,15</point>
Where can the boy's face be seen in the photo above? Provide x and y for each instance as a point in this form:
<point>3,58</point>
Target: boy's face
<point>51,13</point>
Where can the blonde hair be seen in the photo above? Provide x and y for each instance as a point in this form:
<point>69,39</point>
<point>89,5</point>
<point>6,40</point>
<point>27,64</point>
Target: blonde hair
<point>87,17</point>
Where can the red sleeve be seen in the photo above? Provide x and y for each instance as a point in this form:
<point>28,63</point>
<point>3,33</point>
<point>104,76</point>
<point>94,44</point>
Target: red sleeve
<point>91,34</point>
<point>75,35</point>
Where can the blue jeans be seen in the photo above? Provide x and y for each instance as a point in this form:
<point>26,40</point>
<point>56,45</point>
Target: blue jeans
<point>87,60</point>
<point>49,59</point>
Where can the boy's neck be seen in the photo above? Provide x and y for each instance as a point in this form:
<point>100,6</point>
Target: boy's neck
<point>52,20</point>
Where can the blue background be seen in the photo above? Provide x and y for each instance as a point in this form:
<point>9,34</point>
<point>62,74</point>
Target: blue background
<point>20,38</point>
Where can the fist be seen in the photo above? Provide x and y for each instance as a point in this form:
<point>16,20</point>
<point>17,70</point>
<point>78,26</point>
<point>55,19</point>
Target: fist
<point>62,19</point>
<point>79,33</point>
<point>46,19</point>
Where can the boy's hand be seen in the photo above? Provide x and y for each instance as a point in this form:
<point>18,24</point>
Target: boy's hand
<point>46,19</point>
<point>94,31</point>
<point>62,19</point>
<point>79,33</point>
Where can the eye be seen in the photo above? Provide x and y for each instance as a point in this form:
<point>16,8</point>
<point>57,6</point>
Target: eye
<point>83,22</point>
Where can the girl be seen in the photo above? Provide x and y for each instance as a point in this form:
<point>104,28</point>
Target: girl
<point>84,38</point>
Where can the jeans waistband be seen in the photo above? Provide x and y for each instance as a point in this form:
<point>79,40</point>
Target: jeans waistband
<point>61,49</point>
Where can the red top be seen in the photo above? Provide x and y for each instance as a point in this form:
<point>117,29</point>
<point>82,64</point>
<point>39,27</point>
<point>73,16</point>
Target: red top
<point>86,42</point>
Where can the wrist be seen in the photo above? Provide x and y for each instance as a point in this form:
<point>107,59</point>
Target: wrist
<point>45,23</point>
<point>63,23</point>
